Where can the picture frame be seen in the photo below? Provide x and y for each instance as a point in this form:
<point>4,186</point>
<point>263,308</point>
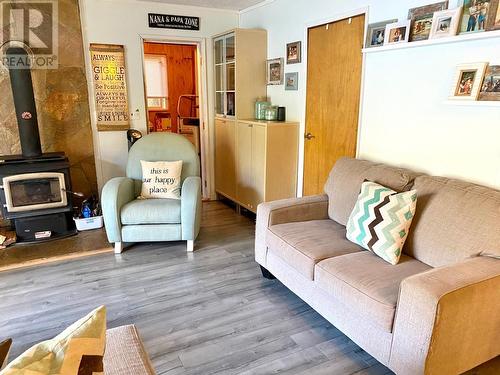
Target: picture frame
<point>490,88</point>
<point>397,32</point>
<point>422,18</point>
<point>468,81</point>
<point>294,52</point>
<point>475,16</point>
<point>275,71</point>
<point>445,23</point>
<point>292,81</point>
<point>375,34</point>
<point>494,16</point>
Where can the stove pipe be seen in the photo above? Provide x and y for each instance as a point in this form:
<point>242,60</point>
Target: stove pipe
<point>24,102</point>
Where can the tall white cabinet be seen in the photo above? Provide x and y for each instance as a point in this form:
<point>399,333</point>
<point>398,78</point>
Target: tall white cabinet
<point>255,161</point>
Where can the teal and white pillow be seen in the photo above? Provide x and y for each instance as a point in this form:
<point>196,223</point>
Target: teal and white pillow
<point>381,219</point>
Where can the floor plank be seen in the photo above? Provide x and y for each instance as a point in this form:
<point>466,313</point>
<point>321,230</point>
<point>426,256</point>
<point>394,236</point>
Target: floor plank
<point>209,312</point>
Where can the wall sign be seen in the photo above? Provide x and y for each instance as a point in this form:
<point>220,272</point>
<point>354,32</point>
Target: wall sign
<point>169,21</point>
<point>110,88</point>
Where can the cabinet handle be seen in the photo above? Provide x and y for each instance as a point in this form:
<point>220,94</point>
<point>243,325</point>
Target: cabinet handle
<point>250,125</point>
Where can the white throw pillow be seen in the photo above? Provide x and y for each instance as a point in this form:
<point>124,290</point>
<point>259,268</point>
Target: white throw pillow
<point>381,219</point>
<point>161,179</point>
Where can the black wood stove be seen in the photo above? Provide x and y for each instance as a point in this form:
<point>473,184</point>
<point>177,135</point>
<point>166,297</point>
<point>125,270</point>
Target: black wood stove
<point>35,187</point>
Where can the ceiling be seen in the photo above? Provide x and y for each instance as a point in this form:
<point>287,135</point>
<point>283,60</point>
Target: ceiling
<point>217,4</point>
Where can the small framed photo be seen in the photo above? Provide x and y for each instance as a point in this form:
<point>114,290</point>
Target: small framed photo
<point>375,34</point>
<point>475,16</point>
<point>490,89</point>
<point>494,16</point>
<point>445,23</point>
<point>292,81</point>
<point>468,80</point>
<point>275,70</point>
<point>397,32</point>
<point>421,20</point>
<point>294,53</point>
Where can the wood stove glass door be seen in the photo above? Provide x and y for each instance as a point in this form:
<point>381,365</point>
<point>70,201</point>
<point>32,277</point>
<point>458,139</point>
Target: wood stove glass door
<point>34,191</point>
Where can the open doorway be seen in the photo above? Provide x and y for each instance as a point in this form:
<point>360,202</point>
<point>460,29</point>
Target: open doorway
<point>174,93</point>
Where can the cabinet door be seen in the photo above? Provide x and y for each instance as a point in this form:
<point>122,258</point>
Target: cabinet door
<point>225,158</point>
<point>245,184</point>
<point>259,142</point>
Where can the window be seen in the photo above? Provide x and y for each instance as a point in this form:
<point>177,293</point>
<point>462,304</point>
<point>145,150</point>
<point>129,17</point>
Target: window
<point>156,81</point>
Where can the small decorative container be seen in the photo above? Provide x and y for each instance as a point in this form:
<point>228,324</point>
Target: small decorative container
<point>94,222</point>
<point>260,109</point>
<point>271,113</point>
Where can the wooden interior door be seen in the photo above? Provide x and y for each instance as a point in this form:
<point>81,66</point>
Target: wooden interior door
<point>334,66</point>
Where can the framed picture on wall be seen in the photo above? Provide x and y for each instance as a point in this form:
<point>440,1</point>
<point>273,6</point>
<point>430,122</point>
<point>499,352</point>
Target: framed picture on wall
<point>398,32</point>
<point>468,81</point>
<point>292,81</point>
<point>445,23</point>
<point>475,16</point>
<point>275,71</point>
<point>294,52</point>
<point>375,34</point>
<point>490,89</point>
<point>422,18</point>
<point>494,16</point>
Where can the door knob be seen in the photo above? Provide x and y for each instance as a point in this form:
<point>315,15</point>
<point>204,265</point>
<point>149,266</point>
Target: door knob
<point>309,136</point>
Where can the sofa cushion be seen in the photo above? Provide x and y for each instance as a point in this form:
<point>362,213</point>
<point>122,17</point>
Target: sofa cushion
<point>366,283</point>
<point>152,211</point>
<point>454,220</point>
<point>303,244</point>
<point>346,177</point>
<point>381,220</point>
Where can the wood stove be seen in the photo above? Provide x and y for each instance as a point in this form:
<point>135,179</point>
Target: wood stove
<point>34,187</point>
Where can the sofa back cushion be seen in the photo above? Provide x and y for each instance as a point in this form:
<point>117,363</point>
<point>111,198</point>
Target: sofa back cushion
<point>454,220</point>
<point>344,184</point>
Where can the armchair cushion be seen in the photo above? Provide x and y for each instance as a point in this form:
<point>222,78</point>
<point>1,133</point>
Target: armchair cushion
<point>303,244</point>
<point>151,211</point>
<point>367,284</point>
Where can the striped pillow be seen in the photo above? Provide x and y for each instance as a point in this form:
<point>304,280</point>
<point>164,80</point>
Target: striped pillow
<point>381,219</point>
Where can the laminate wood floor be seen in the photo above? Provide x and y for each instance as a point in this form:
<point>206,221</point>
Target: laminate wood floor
<point>210,312</point>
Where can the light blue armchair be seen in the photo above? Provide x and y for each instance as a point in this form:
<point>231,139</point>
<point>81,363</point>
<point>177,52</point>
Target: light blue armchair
<point>128,219</point>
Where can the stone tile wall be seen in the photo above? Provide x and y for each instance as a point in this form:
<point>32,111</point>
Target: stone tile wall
<point>62,104</point>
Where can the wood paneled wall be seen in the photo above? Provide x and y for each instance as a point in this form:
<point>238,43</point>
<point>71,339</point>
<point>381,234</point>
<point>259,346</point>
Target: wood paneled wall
<point>181,71</point>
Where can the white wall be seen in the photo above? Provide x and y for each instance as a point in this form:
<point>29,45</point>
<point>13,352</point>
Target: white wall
<point>124,22</point>
<point>405,119</point>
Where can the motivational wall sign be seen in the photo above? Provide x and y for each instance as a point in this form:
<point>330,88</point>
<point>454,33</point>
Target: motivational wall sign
<point>170,21</point>
<point>110,87</point>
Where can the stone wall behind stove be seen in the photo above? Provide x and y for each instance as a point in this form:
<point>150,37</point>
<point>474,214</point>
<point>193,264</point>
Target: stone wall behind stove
<point>62,104</point>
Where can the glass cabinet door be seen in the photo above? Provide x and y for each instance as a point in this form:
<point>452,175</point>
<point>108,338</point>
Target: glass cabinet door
<point>225,65</point>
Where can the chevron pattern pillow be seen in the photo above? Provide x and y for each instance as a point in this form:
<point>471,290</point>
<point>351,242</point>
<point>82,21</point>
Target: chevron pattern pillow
<point>78,350</point>
<point>381,219</point>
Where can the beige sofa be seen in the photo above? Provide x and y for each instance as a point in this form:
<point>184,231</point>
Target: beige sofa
<point>437,311</point>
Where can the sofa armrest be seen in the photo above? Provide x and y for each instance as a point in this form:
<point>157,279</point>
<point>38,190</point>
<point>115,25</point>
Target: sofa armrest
<point>447,319</point>
<point>191,208</point>
<point>115,194</point>
<point>286,211</point>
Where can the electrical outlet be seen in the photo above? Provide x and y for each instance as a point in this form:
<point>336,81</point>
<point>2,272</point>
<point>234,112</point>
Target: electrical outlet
<point>136,115</point>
